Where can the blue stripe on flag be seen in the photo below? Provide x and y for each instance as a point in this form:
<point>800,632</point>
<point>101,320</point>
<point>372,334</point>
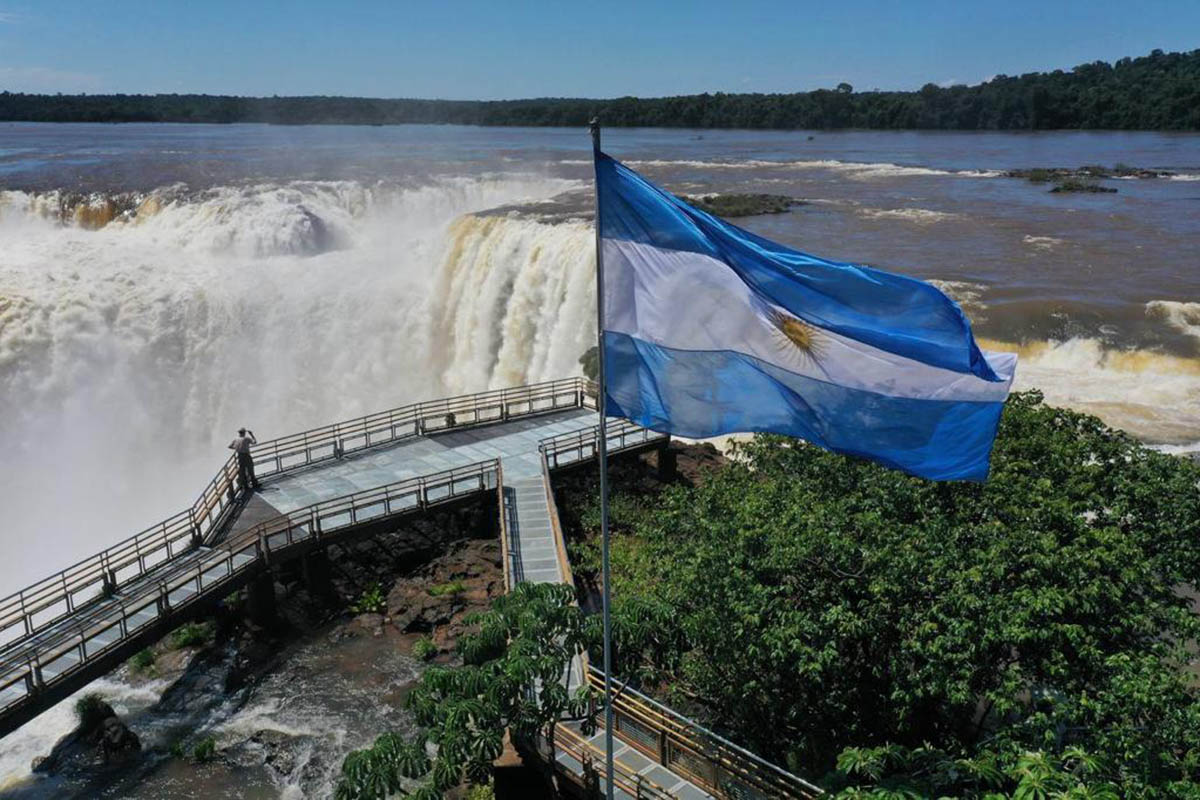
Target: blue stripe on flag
<point>894,313</point>
<point>699,394</point>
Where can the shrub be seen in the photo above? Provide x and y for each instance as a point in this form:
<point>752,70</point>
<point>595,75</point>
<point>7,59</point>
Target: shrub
<point>205,749</point>
<point>482,791</point>
<point>453,587</point>
<point>90,709</point>
<point>371,601</point>
<point>192,634</point>
<point>424,649</point>
<point>812,602</point>
<point>1081,185</point>
<point>528,636</point>
<point>589,362</point>
<point>142,662</point>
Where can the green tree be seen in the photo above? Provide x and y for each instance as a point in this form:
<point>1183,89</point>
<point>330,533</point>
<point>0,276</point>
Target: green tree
<point>815,602</point>
<point>1160,91</point>
<point>590,363</point>
<point>526,640</point>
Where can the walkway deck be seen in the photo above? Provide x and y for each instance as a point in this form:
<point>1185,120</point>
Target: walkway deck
<point>345,480</point>
<point>514,443</point>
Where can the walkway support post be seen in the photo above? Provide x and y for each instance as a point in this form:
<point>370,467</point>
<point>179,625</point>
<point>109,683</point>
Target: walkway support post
<point>318,575</point>
<point>667,462</point>
<point>602,450</point>
<point>260,600</point>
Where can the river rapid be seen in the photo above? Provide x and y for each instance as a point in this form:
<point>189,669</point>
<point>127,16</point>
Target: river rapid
<point>161,285</point>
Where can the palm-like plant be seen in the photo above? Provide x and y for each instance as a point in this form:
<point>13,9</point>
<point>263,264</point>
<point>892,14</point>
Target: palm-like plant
<point>512,679</point>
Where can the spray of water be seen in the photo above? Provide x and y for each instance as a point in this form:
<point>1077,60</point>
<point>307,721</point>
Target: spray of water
<point>130,353</point>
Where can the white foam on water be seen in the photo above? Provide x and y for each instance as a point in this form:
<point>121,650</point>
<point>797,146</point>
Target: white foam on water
<point>921,216</point>
<point>965,293</point>
<point>1042,242</point>
<point>1177,449</point>
<point>1185,176</point>
<point>854,169</point>
<point>1152,395</point>
<point>36,738</point>
<point>1182,316</point>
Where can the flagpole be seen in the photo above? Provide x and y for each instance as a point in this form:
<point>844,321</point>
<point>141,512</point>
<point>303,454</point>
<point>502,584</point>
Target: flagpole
<point>602,452</point>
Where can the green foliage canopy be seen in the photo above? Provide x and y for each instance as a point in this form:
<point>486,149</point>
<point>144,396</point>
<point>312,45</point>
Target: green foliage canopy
<point>526,639</point>
<point>1159,91</point>
<point>810,602</point>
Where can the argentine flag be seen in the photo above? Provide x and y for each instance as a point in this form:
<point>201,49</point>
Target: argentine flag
<point>709,329</point>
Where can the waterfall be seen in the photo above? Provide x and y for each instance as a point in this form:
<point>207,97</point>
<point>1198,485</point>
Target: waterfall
<point>134,339</point>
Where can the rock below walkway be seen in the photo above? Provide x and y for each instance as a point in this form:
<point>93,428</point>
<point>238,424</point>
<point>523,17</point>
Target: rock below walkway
<point>100,738</point>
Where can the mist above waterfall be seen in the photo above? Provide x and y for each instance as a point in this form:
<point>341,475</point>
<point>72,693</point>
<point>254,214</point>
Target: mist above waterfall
<point>136,337</point>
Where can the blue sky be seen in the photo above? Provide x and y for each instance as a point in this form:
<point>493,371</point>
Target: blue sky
<point>503,49</point>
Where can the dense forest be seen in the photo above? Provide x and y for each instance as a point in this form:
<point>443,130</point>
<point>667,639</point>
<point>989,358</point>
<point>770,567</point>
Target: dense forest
<point>891,637</point>
<point>1160,91</point>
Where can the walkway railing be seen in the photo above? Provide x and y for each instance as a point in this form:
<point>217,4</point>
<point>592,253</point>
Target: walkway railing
<point>571,448</point>
<point>670,739</point>
<point>48,601</point>
<point>214,572</point>
<point>689,749</point>
<point>334,441</point>
<point>625,778</point>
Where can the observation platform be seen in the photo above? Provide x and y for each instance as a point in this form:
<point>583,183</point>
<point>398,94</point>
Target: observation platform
<point>355,479</point>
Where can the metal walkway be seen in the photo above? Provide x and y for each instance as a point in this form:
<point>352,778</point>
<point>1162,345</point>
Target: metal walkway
<point>354,479</point>
<point>348,479</point>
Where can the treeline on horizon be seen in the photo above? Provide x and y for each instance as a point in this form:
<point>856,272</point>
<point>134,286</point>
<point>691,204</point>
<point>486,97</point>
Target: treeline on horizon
<point>1160,91</point>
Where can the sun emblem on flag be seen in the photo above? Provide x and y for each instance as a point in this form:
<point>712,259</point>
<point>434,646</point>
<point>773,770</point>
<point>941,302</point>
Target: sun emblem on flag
<point>806,338</point>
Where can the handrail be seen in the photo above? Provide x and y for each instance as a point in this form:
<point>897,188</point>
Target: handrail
<point>48,601</point>
<point>681,742</point>
<point>299,450</point>
<point>502,512</point>
<point>570,448</point>
<point>624,778</point>
<point>560,547</point>
<point>213,569</point>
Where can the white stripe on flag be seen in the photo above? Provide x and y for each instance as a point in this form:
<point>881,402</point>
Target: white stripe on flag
<point>691,301</point>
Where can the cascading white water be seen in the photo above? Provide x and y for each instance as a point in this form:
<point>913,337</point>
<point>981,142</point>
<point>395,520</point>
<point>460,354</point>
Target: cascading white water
<point>130,353</point>
<point>515,302</point>
<point>132,345</point>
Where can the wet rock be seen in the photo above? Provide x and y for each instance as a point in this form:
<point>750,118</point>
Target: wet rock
<point>439,596</point>
<point>360,625</point>
<point>735,204</point>
<point>100,739</point>
<point>117,742</point>
<point>278,751</point>
<point>694,460</point>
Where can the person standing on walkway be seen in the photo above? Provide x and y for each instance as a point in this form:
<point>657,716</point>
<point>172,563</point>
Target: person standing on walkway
<point>241,446</point>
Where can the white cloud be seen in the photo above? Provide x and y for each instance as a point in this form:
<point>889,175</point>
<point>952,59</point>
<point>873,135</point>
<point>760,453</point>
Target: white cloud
<point>949,82</point>
<point>9,17</point>
<point>46,79</point>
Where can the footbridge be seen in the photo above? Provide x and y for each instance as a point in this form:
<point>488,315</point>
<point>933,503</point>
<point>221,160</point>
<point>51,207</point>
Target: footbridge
<point>355,479</point>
